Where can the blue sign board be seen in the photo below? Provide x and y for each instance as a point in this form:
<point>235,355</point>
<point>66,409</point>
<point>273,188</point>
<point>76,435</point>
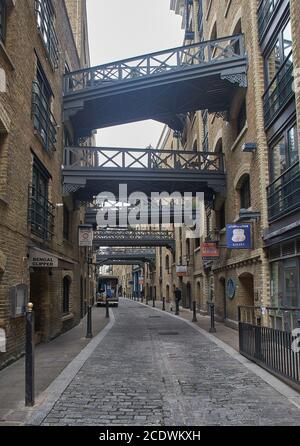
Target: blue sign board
<point>239,236</point>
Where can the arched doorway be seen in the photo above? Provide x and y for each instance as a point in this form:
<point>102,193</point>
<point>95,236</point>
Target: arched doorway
<point>246,289</point>
<point>188,295</point>
<point>168,293</point>
<point>222,290</point>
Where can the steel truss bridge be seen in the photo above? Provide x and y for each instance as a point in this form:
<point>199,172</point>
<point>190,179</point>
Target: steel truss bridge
<point>163,86</point>
<point>91,170</point>
<point>133,238</point>
<point>120,255</point>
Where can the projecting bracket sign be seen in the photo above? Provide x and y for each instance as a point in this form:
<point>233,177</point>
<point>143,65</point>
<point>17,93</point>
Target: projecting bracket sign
<point>41,259</point>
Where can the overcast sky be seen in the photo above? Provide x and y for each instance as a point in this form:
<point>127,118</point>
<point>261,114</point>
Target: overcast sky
<point>120,29</point>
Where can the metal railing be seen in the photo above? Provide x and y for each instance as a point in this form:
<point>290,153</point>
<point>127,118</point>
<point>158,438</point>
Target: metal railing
<point>272,348</point>
<point>280,90</point>
<point>40,214</point>
<point>151,159</point>
<point>265,11</point>
<point>284,193</point>
<point>43,118</point>
<point>154,64</point>
<point>122,237</point>
<point>45,21</point>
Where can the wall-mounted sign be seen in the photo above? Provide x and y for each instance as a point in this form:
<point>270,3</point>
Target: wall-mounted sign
<point>231,288</point>
<point>210,250</point>
<point>239,236</point>
<point>181,270</point>
<point>18,300</point>
<point>41,259</point>
<point>86,235</point>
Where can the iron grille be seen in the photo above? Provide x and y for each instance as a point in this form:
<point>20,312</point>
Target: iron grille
<point>43,118</point>
<point>280,90</point>
<point>45,21</point>
<point>284,193</point>
<point>40,214</point>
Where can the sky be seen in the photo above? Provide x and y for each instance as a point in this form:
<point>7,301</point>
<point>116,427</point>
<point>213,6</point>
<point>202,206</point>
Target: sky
<point>120,29</point>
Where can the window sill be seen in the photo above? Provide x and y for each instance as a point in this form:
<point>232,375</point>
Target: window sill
<point>67,317</point>
<point>5,53</point>
<point>239,137</point>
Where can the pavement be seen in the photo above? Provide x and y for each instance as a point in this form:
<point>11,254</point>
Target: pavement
<point>150,368</point>
<point>50,360</point>
<point>224,333</point>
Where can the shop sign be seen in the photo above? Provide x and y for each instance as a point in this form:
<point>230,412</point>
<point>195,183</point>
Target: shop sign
<point>239,236</point>
<point>39,259</point>
<point>181,271</point>
<point>210,250</point>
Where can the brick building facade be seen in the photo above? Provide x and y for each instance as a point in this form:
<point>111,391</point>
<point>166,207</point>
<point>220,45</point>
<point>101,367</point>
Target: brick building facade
<point>39,41</point>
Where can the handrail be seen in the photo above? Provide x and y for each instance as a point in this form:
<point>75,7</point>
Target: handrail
<point>283,174</point>
<point>156,63</point>
<point>277,75</point>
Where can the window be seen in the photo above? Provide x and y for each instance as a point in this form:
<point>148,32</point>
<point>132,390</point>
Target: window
<point>281,50</point>
<point>43,119</point>
<point>41,211</point>
<point>2,20</point>
<point>167,263</point>
<point>245,193</point>
<point>66,224</point>
<point>279,74</point>
<point>284,153</point>
<point>241,118</point>
<point>45,21</point>
<point>66,295</point>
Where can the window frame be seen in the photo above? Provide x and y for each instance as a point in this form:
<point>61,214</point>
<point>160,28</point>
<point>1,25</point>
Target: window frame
<point>245,192</point>
<point>3,20</point>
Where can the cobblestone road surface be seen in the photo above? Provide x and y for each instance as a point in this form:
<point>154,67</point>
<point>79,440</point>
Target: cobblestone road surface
<point>152,369</point>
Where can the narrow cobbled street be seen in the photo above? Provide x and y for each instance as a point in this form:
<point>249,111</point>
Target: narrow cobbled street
<point>153,369</point>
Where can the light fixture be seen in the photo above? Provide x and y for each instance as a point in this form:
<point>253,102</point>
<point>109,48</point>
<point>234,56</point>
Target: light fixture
<point>249,147</point>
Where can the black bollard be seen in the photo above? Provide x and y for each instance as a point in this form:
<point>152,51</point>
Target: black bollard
<point>164,304</point>
<point>107,309</point>
<point>194,312</point>
<point>29,357</point>
<point>89,333</point>
<point>153,302</point>
<point>212,318</point>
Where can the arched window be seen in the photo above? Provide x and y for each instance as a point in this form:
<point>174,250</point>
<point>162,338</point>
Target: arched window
<point>66,294</point>
<point>195,146</point>
<point>245,193</point>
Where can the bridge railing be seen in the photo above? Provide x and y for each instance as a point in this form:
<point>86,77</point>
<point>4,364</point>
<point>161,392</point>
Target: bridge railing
<point>150,159</point>
<point>156,63</point>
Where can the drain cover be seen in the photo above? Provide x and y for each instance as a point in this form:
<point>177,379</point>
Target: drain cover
<point>154,317</point>
<point>168,333</point>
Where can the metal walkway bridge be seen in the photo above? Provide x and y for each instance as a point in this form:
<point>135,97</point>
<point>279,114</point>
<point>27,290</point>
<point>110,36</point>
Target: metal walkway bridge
<point>127,237</point>
<point>125,256</point>
<point>91,170</point>
<point>162,86</point>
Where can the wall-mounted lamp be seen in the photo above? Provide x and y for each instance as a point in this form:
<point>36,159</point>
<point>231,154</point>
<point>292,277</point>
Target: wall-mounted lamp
<point>249,147</point>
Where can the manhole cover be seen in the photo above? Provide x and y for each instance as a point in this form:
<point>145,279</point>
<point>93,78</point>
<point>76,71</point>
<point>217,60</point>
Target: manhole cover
<point>168,333</point>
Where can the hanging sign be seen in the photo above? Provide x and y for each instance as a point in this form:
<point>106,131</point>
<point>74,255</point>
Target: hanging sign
<point>181,271</point>
<point>210,250</point>
<point>239,236</point>
<point>86,236</point>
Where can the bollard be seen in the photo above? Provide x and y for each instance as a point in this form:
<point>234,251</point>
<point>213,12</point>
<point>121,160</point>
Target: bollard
<point>29,357</point>
<point>89,333</point>
<point>212,318</point>
<point>194,312</point>
<point>107,309</point>
<point>177,308</point>
<point>164,304</point>
<point>153,302</point>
